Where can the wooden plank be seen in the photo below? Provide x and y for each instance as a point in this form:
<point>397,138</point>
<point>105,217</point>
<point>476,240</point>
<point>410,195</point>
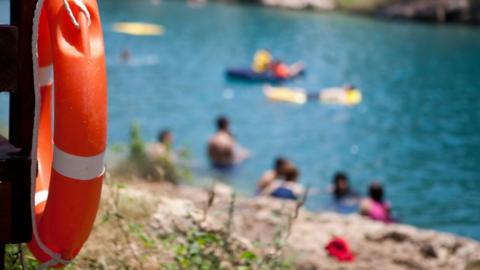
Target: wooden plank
<point>2,256</point>
<point>5,194</point>
<point>8,58</point>
<point>5,199</point>
<point>6,149</point>
<point>22,101</point>
<point>21,123</point>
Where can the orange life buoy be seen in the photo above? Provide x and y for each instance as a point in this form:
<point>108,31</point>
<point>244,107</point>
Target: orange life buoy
<point>71,167</point>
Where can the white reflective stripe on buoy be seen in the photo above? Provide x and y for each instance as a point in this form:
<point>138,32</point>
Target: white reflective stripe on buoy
<point>78,167</point>
<point>41,196</point>
<point>45,75</point>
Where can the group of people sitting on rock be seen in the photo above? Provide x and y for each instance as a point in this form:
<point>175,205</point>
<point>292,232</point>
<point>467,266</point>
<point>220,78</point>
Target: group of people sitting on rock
<point>282,181</point>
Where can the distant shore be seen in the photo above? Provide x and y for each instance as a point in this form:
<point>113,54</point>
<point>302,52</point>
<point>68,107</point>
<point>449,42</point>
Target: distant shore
<point>441,11</point>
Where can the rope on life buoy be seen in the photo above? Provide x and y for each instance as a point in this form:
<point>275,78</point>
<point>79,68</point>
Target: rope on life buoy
<point>43,76</point>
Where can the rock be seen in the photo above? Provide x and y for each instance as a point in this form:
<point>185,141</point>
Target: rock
<point>433,10</point>
<point>264,220</point>
<point>474,265</point>
<point>323,5</point>
<point>428,251</point>
<point>174,214</point>
<point>392,235</point>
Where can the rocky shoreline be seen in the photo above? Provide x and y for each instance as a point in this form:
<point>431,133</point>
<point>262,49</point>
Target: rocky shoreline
<point>461,11</point>
<point>464,11</point>
<point>167,209</point>
<point>376,245</point>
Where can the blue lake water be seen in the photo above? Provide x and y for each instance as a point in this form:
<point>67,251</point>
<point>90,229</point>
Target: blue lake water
<point>416,130</point>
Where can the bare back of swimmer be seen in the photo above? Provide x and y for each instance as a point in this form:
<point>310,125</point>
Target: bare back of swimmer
<point>223,150</point>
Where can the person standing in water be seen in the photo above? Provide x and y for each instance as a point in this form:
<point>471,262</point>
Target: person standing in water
<point>276,173</point>
<point>163,146</point>
<point>223,150</point>
<point>374,206</point>
<point>125,56</point>
<point>345,200</point>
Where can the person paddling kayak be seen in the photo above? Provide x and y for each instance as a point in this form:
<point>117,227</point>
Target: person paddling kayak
<point>261,61</point>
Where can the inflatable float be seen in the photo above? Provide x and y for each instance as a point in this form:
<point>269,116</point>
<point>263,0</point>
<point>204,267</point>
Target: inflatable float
<point>285,94</point>
<point>248,74</point>
<point>138,29</point>
<point>335,95</point>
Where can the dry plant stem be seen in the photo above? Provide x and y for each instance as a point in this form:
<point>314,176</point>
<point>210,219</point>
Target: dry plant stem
<point>114,202</point>
<point>290,222</point>
<point>22,257</point>
<point>210,200</point>
<point>229,225</point>
<point>231,213</point>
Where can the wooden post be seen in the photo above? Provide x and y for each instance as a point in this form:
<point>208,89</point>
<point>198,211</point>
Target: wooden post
<point>5,220</point>
<point>8,58</point>
<point>16,77</point>
<point>22,103</point>
<point>2,256</point>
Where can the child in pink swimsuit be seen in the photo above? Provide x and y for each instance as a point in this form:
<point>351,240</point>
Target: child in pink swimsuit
<point>374,207</point>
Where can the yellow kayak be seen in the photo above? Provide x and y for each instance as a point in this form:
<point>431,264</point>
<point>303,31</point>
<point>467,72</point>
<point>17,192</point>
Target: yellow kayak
<point>138,29</point>
<point>337,95</point>
<point>297,96</point>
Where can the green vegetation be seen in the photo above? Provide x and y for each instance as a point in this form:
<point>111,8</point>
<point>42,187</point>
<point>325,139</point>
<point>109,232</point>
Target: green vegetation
<point>17,259</point>
<point>139,163</point>
<point>123,239</point>
<point>212,250</point>
<point>201,249</point>
<point>362,5</point>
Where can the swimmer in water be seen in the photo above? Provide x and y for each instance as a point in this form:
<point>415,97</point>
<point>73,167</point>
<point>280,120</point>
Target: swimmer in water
<point>288,188</point>
<point>125,56</point>
<point>276,173</point>
<point>374,206</point>
<point>163,146</point>
<point>344,95</point>
<point>223,150</point>
<point>345,200</point>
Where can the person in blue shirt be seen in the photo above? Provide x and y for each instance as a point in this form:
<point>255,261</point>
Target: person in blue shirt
<point>344,199</point>
<point>289,188</point>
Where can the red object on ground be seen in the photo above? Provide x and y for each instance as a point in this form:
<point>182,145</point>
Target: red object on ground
<point>338,248</point>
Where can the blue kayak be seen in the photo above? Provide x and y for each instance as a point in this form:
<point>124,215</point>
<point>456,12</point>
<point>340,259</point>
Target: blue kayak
<point>248,74</point>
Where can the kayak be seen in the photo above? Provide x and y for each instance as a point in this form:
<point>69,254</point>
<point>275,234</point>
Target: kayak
<point>336,95</point>
<point>250,75</point>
